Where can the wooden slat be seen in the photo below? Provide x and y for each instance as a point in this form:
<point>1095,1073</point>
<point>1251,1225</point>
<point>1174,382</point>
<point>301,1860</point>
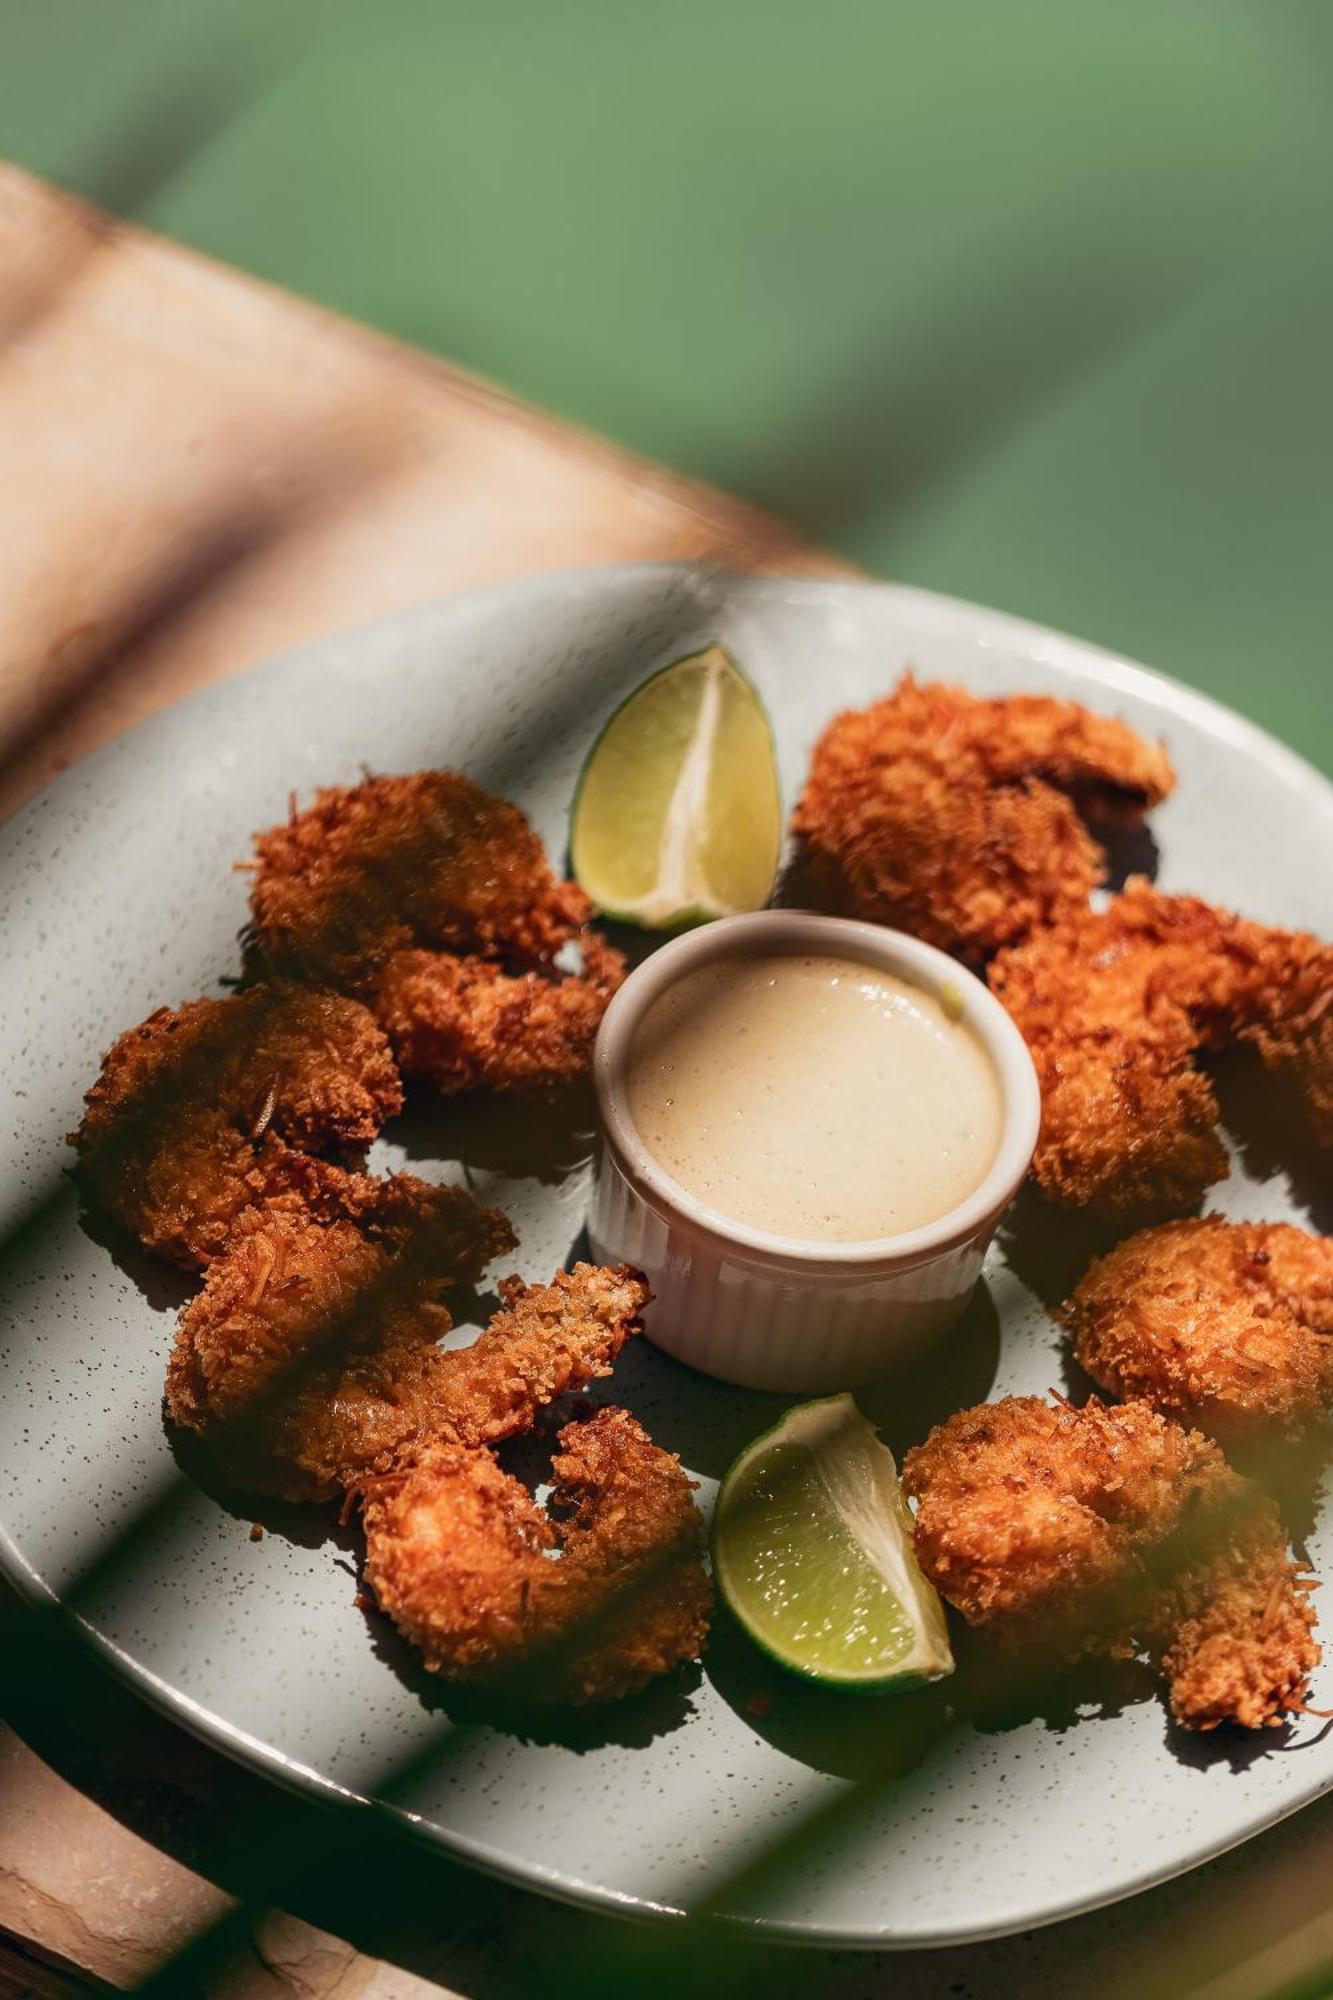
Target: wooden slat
<point>201,471</point>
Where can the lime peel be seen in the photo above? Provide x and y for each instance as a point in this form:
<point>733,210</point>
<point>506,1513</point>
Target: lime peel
<point>729,754</point>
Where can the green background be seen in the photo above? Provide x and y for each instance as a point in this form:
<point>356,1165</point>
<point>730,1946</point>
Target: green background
<point>1026,300</point>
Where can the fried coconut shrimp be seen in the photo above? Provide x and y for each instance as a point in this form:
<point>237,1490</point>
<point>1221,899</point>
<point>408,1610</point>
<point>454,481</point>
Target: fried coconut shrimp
<point>464,1023</point>
<point>309,1360</point>
<point>205,1111</point>
<point>1074,1532</point>
<point>584,1607</point>
<point>1114,1004</point>
<point>1227,1325</point>
<point>434,903</point>
<point>964,821</point>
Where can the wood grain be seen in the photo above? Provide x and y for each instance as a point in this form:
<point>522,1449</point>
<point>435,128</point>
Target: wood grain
<point>203,471</point>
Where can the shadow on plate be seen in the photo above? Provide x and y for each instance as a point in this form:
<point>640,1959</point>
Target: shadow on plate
<point>543,1138</point>
<point>308,1524</point>
<point>1293,1471</point>
<point>997,1693</point>
<point>1238,1749</point>
<point>632,940</point>
<point>883,1738</point>
<point>864,1737</point>
<point>798,886</point>
<point>709,1422</point>
<point>907,1403</point>
<point>164,1287</point>
<point>633,1723</point>
<point>1050,1248</point>
<point>1267,1117</point>
<point>470,1310</point>
<point>1075,1385</point>
<point>704,1421</point>
<point>1130,850</point>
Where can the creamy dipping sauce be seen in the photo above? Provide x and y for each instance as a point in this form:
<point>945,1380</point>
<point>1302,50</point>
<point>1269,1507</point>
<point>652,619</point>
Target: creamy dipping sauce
<point>813,1096</point>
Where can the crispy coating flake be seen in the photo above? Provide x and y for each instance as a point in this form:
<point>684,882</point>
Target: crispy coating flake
<point>310,1362</point>
<point>1114,1005</point>
<point>458,1554</point>
<point>1226,1325</point>
<point>464,1023</point>
<point>1235,1631</point>
<point>434,902</point>
<point>203,1112</point>
<point>1072,1532</point>
<point>963,820</point>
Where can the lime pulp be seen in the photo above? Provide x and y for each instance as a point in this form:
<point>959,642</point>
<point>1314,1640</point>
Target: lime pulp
<point>678,814</point>
<point>812,1550</point>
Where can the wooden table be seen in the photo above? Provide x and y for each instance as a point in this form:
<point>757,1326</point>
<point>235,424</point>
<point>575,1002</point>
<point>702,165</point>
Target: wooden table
<point>200,472</point>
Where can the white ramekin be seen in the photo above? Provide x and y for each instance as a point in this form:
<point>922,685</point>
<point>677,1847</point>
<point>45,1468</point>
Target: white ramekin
<point>772,1311</point>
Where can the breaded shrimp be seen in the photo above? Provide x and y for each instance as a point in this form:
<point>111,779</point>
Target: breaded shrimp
<point>465,1023</point>
<point>489,1589</point>
<point>434,903</point>
<point>1071,1532</point>
<point>1114,1005</point>
<point>309,1361</point>
<point>963,820</point>
<point>1234,1631</point>
<point>1030,1515</point>
<point>206,1111</point>
<point>1226,1325</point>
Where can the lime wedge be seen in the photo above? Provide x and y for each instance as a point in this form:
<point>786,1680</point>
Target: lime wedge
<point>812,1551</point>
<point>678,815</point>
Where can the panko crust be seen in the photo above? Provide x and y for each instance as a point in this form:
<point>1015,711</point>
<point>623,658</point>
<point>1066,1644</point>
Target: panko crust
<point>205,1112</point>
<point>1114,1005</point>
<point>1235,1633</point>
<point>1067,1532</point>
<point>465,1023</point>
<point>426,858</point>
<point>1030,1514</point>
<point>457,1556</point>
<point>310,1355</point>
<point>433,901</point>
<point>545,1340</point>
<point>1226,1325</point>
<point>310,1360</point>
<point>964,820</point>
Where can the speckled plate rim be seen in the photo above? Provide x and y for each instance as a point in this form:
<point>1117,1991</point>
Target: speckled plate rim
<point>254,1755</point>
<point>985,627</point>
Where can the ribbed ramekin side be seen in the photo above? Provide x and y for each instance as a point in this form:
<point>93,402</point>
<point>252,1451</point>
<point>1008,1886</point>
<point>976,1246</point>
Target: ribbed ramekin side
<point>764,1328</point>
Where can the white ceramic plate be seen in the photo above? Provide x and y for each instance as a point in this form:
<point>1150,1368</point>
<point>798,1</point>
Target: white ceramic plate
<point>825,1819</point>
